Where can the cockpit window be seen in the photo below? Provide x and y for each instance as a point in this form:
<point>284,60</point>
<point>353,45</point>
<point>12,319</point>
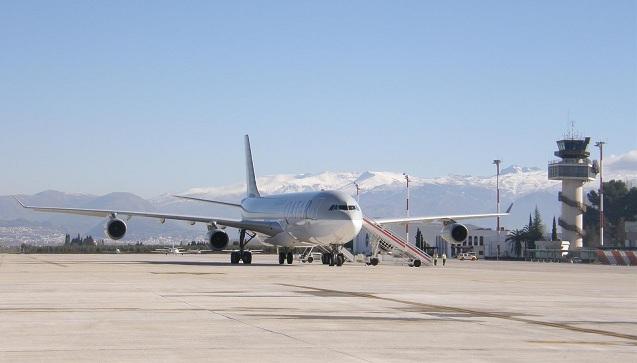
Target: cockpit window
<point>343,207</point>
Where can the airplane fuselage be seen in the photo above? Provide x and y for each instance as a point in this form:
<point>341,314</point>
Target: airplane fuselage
<point>309,218</point>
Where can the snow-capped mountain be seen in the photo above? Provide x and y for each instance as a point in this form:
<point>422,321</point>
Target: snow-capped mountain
<point>514,180</point>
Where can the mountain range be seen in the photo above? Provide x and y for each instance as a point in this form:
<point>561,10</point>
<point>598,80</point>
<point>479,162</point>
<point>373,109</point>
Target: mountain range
<point>382,194</point>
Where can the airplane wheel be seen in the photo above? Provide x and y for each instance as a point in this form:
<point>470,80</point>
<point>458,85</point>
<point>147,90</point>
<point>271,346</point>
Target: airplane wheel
<point>330,260</point>
<point>281,258</point>
<point>247,257</point>
<point>290,258</point>
<point>339,260</point>
<point>234,257</point>
<point>310,259</point>
<point>373,261</point>
<point>416,263</point>
<point>324,259</point>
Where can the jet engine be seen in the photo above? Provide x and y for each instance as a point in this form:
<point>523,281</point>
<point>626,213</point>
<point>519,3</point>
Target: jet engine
<point>218,239</point>
<point>115,228</point>
<point>455,233</point>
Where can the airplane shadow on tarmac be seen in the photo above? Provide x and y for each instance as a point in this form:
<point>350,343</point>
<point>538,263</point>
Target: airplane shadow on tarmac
<point>206,263</point>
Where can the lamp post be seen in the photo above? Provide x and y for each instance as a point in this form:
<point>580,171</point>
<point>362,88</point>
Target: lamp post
<point>358,189</point>
<point>407,209</point>
<point>497,193</point>
<point>600,145</point>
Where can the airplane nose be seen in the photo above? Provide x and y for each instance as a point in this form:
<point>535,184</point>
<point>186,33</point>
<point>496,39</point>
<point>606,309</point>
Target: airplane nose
<point>358,225</point>
<point>352,225</point>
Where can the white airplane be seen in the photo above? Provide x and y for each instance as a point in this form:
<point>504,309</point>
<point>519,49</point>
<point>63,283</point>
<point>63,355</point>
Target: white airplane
<point>328,219</point>
<point>170,250</point>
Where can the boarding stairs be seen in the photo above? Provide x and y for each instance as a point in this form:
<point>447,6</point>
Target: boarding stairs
<point>384,240</point>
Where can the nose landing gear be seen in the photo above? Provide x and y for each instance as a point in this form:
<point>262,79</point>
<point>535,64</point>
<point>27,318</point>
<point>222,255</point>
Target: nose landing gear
<point>335,257</point>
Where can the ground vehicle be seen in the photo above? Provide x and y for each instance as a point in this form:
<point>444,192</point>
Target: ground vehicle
<point>467,256</point>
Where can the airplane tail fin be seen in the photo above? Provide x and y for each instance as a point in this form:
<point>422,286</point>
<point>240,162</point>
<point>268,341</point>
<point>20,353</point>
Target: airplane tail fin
<point>252,190</point>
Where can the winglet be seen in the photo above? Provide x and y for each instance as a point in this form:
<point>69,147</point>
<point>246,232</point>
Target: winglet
<point>18,200</point>
<point>509,209</point>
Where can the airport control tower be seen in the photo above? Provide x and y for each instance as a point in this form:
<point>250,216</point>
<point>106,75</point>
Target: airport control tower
<point>574,169</point>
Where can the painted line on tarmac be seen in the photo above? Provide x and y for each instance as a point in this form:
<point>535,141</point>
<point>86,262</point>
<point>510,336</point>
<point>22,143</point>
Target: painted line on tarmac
<point>475,313</point>
<point>49,262</point>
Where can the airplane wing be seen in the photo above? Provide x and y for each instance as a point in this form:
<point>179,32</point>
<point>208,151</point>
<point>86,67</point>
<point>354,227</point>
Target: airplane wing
<point>449,218</point>
<point>270,228</point>
<point>208,201</point>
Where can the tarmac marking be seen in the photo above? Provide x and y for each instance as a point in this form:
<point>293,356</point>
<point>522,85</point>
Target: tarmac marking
<point>80,310</point>
<point>354,318</point>
<point>584,342</point>
<point>188,273</point>
<point>476,313</point>
<point>49,262</point>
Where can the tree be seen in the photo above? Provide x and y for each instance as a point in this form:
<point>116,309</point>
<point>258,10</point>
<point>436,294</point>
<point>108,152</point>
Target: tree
<point>620,205</point>
<point>535,229</point>
<point>554,231</point>
<point>516,237</point>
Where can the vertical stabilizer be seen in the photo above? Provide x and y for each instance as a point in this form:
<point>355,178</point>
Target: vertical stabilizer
<point>251,181</point>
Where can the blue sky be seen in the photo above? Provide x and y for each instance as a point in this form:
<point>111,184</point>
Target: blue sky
<point>151,96</point>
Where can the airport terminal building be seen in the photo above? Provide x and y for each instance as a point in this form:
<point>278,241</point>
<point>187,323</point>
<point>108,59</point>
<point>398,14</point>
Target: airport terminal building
<point>485,242</point>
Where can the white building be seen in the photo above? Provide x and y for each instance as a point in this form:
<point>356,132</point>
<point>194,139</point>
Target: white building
<point>486,242</point>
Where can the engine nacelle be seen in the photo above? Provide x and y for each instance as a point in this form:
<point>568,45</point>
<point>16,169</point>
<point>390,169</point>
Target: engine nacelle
<point>455,233</point>
<point>218,239</point>
<point>115,228</point>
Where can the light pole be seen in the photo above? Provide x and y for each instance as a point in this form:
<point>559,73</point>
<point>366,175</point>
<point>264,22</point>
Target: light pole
<point>358,189</point>
<point>600,145</point>
<point>407,223</point>
<point>497,193</point>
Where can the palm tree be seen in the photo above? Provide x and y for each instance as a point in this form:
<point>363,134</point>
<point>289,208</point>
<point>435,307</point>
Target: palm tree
<point>516,237</point>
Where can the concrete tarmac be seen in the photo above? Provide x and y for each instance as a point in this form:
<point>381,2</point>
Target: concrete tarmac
<point>141,308</point>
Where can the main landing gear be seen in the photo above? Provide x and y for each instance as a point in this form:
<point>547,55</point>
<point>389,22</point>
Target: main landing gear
<point>286,256</point>
<point>242,254</point>
<point>333,258</point>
